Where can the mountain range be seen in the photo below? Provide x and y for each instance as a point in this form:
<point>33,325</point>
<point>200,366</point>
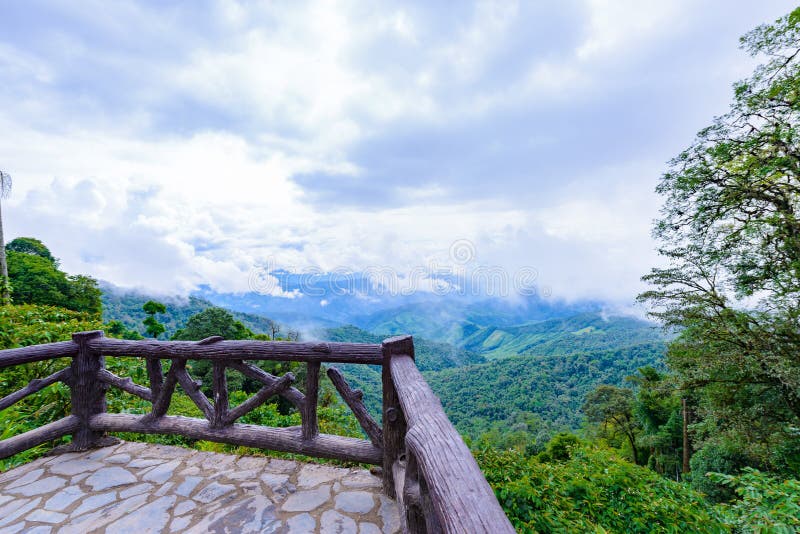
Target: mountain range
<point>499,366</point>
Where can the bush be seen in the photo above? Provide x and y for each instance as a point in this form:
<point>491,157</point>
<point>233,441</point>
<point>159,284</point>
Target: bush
<point>718,458</point>
<point>593,491</point>
<point>559,448</point>
<point>766,503</point>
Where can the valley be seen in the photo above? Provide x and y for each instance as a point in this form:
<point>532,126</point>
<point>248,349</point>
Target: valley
<point>499,381</point>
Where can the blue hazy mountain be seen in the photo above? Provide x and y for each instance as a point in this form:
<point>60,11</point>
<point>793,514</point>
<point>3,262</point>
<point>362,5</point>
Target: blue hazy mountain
<point>332,300</point>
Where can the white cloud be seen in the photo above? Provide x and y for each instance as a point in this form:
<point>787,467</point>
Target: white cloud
<point>162,149</point>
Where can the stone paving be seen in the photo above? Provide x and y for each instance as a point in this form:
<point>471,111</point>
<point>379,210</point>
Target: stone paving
<point>144,488</point>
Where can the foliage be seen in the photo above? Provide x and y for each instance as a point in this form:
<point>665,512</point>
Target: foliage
<point>720,456</point>
<point>546,391</point>
<point>117,329</point>
<point>612,408</point>
<point>213,322</point>
<point>592,491</point>
<point>127,308</point>
<point>767,504</point>
<point>429,355</point>
<point>153,328</point>
<point>730,230</point>
<point>36,279</point>
<point>657,409</point>
<point>152,307</point>
<point>30,245</point>
<point>559,449</point>
<point>31,324</point>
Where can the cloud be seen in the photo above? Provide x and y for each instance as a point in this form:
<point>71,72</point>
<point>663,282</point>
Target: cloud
<point>169,147</point>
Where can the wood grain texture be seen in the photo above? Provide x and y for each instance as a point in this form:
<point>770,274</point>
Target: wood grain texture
<point>291,394</point>
<point>399,477</point>
<point>461,497</point>
<point>242,350</point>
<point>220,389</point>
<point>192,390</point>
<point>37,353</point>
<point>353,398</point>
<point>276,439</point>
<point>309,413</point>
<point>282,384</point>
<point>125,384</point>
<point>155,373</point>
<point>162,401</point>
<point>37,436</point>
<point>87,393</point>
<point>37,384</point>
<point>411,496</point>
<point>394,424</point>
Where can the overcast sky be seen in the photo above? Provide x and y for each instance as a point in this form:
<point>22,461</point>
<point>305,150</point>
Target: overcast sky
<point>170,144</point>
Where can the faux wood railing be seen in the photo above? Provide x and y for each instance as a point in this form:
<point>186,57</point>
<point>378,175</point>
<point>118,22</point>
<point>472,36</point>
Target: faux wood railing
<point>425,464</point>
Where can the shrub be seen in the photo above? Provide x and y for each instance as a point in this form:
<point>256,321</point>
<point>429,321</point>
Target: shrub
<point>766,503</point>
<point>593,491</point>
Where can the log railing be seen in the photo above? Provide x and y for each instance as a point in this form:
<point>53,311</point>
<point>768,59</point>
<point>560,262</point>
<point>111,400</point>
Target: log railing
<point>425,465</point>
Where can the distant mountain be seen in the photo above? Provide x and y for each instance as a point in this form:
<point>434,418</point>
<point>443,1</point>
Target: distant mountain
<point>430,355</point>
<point>579,333</point>
<point>126,306</point>
<point>453,320</point>
<point>329,300</point>
<point>498,366</point>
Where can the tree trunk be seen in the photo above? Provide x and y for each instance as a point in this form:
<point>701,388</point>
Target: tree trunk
<point>5,297</point>
<point>634,449</point>
<point>687,452</point>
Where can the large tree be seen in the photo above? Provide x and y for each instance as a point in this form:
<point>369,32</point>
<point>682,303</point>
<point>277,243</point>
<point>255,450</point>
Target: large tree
<point>35,279</point>
<point>5,291</point>
<point>152,326</point>
<point>730,234</point>
<point>612,408</point>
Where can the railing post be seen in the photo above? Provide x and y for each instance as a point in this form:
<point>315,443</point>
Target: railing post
<point>220,395</point>
<point>87,392</point>
<point>310,425</point>
<point>394,423</point>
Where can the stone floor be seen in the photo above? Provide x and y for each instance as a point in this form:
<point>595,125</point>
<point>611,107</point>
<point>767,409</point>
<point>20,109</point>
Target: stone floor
<point>142,488</point>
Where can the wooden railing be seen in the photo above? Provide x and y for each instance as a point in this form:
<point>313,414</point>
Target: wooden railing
<point>425,464</point>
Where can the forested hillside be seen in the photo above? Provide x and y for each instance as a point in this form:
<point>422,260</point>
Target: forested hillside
<point>528,397</point>
<point>520,397</point>
<point>126,307</point>
<point>578,333</point>
<point>454,320</point>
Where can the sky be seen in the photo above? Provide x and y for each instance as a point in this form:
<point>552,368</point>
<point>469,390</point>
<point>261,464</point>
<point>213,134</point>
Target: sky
<point>178,144</point>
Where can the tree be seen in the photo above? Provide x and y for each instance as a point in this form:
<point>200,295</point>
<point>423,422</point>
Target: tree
<point>213,322</point>
<point>5,290</point>
<point>30,245</point>
<point>275,329</point>
<point>83,294</point>
<point>35,279</point>
<point>730,234</point>
<point>657,410</point>
<point>612,407</point>
<point>153,327</point>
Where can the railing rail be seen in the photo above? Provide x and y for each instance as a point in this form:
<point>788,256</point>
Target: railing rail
<point>425,464</point>
<point>435,477</point>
